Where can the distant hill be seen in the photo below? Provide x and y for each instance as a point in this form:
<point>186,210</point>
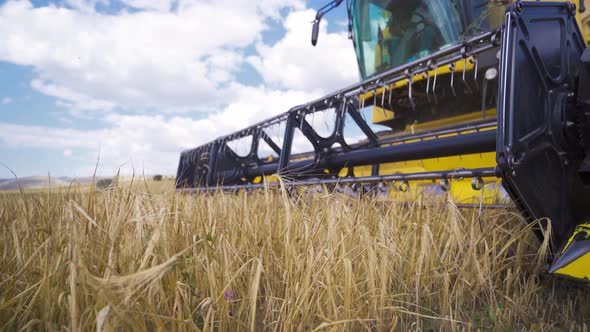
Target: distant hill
<point>41,182</point>
<point>63,181</point>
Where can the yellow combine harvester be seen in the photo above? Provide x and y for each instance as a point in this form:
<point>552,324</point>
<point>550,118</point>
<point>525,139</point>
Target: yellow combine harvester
<point>481,99</point>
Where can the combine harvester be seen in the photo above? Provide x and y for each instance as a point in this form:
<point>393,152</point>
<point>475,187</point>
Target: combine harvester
<point>477,98</point>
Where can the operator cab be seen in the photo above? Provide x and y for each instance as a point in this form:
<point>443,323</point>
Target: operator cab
<point>390,33</point>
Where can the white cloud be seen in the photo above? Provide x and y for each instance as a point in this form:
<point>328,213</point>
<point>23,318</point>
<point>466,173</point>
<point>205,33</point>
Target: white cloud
<point>153,143</point>
<point>69,98</point>
<point>135,59</point>
<point>85,5</point>
<point>158,5</point>
<point>294,63</point>
<point>6,100</point>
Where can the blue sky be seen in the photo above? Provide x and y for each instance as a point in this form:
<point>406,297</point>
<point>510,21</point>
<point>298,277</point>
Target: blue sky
<point>141,80</point>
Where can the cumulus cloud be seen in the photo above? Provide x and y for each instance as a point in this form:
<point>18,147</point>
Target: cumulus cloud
<point>153,143</point>
<point>70,98</point>
<point>155,58</point>
<point>158,5</point>
<point>6,100</point>
<point>293,63</point>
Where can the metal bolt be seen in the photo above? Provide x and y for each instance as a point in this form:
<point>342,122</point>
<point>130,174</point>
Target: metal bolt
<point>404,186</point>
<point>445,185</point>
<point>477,183</point>
<point>518,7</point>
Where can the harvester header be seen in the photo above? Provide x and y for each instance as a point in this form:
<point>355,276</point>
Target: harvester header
<point>456,96</point>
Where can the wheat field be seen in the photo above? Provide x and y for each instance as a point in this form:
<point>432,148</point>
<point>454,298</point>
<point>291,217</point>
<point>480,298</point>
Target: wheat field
<point>133,258</point>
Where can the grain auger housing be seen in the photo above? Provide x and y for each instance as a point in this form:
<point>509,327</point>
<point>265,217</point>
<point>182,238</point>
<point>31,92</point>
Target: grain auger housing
<point>480,99</point>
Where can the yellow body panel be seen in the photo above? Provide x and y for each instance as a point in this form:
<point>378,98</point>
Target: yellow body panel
<point>580,267</point>
<point>382,115</point>
<point>454,120</point>
<point>461,190</point>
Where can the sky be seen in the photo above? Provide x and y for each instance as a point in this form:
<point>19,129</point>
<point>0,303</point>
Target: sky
<point>138,81</point>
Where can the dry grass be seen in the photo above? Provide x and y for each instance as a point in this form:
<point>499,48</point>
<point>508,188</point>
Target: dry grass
<point>131,259</point>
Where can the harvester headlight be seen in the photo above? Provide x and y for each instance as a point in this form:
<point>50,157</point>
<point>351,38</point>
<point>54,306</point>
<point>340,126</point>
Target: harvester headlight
<point>491,73</point>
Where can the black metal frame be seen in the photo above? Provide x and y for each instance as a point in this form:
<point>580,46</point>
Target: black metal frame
<point>538,148</point>
<point>476,174</point>
<point>215,164</point>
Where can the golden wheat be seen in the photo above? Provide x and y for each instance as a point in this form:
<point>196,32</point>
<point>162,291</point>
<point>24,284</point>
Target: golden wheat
<point>129,259</point>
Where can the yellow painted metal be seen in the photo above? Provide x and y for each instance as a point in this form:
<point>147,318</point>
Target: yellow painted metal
<point>461,190</point>
<point>584,20</point>
<point>446,122</point>
<point>382,115</point>
<point>580,267</point>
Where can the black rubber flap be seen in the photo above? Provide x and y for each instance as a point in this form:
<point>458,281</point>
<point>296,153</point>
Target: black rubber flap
<point>536,152</point>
